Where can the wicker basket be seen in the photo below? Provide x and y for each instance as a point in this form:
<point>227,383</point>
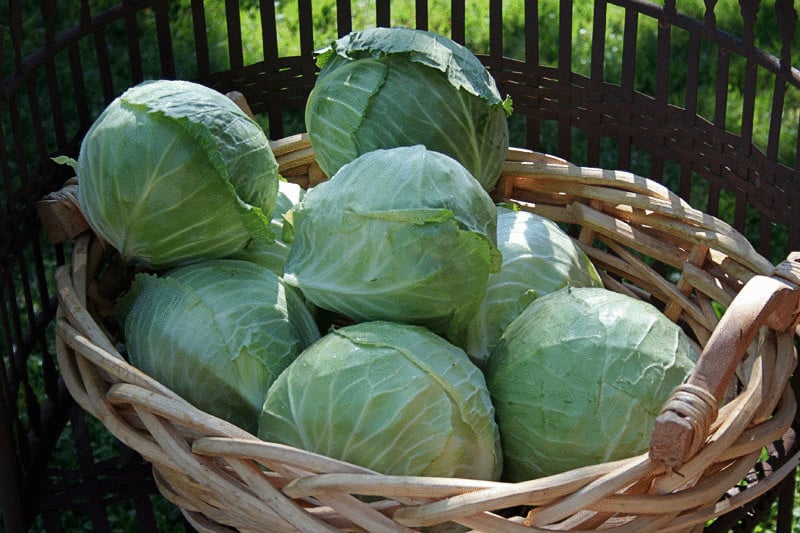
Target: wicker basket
<point>222,477</point>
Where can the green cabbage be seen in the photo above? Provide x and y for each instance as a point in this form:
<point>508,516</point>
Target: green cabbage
<point>415,246</point>
<point>273,254</point>
<point>388,87</point>
<point>172,172</point>
<point>394,398</point>
<point>217,332</point>
<point>579,378</point>
<point>538,258</point>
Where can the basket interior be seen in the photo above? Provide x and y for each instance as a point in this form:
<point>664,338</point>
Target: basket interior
<point>699,100</point>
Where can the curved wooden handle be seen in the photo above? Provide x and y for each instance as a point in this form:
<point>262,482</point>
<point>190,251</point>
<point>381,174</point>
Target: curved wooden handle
<point>684,423</point>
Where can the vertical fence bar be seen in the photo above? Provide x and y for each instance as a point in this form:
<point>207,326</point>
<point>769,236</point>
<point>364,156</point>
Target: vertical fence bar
<point>269,33</point>
<point>776,118</point>
<point>306,23</point>
<point>565,76</point>
<point>49,371</point>
<point>18,143</point>
<point>421,14</point>
<point>15,15</point>
<point>786,16</point>
<point>785,515</point>
<point>663,59</point>
<point>532,60</point>
<point>11,490</point>
<point>200,39</point>
<point>16,363</point>
<point>344,17</point>
<point>5,164</point>
<point>663,39</point>
<point>15,508</point>
<point>496,29</point>
<point>134,49</point>
<point>234,26</point>
<point>457,21</point>
<point>18,137</point>
<point>748,10</point>
<point>720,102</point>
<point>596,74</point>
<point>53,90</point>
<point>36,120</point>
<point>775,126</point>
<point>79,86</point>
<point>269,40</point>
<point>83,450</point>
<point>15,330</point>
<point>383,15</point>
<point>103,65</point>
<point>626,83</point>
<point>690,106</point>
<point>161,11</point>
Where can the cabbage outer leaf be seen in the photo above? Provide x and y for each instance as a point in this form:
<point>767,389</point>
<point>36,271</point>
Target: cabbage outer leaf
<point>217,332</point>
<point>416,248</point>
<point>538,258</point>
<point>394,398</point>
<point>388,87</point>
<point>273,254</point>
<point>463,69</point>
<point>579,378</point>
<point>172,172</point>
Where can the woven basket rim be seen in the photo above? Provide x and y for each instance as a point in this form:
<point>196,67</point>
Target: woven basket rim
<point>218,474</point>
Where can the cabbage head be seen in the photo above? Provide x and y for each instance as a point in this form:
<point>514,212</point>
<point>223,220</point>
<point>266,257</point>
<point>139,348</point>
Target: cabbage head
<point>394,398</point>
<point>217,332</point>
<point>538,258</point>
<point>173,171</point>
<point>388,87</point>
<point>273,254</point>
<point>404,234</point>
<point>579,379</point>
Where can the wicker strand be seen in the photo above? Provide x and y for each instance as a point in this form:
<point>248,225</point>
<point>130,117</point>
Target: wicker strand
<point>703,514</point>
<point>697,406</point>
<point>789,269</point>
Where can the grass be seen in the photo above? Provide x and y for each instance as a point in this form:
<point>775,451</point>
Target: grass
<point>403,13</point>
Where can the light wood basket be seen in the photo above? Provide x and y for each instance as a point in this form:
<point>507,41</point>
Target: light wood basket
<point>645,241</point>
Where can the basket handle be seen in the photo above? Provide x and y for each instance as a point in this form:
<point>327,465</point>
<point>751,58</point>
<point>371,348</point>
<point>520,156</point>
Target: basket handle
<point>685,421</point>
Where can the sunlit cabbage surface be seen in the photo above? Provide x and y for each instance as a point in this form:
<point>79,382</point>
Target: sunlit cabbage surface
<point>388,87</point>
<point>217,332</point>
<point>538,258</point>
<point>394,398</point>
<point>173,171</point>
<point>579,378</point>
<point>404,234</point>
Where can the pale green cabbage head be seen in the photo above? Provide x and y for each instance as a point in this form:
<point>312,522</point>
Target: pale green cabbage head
<point>217,332</point>
<point>579,379</point>
<point>394,398</point>
<point>388,87</point>
<point>538,258</point>
<point>404,234</point>
<point>173,171</point>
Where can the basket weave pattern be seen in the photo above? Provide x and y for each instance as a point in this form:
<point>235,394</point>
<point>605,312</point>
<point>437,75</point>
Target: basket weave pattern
<point>645,241</point>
